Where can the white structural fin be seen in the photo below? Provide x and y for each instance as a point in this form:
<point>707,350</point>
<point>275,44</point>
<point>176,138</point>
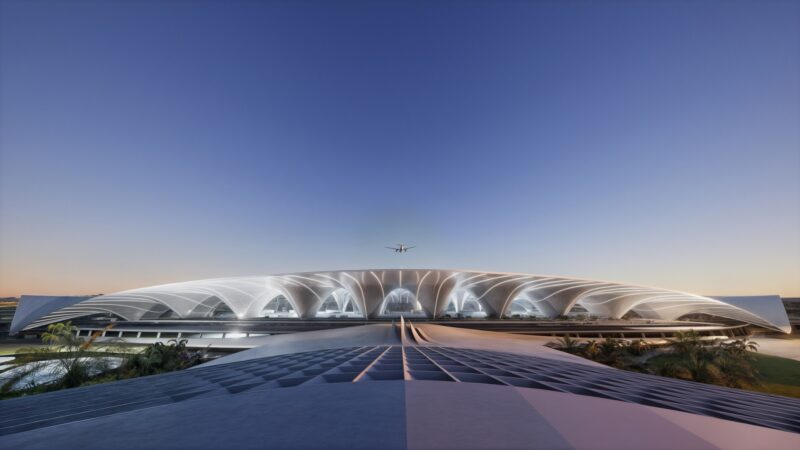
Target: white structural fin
<point>770,307</point>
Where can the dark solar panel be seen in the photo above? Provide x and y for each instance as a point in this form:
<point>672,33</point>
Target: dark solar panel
<point>368,364</point>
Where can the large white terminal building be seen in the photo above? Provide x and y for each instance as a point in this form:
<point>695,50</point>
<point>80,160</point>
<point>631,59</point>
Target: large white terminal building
<point>420,294</point>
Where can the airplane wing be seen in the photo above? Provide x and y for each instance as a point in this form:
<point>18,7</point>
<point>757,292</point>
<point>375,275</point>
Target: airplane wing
<point>413,246</point>
<point>391,248</point>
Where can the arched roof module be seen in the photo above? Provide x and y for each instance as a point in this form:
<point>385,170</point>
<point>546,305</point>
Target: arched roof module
<point>553,295</point>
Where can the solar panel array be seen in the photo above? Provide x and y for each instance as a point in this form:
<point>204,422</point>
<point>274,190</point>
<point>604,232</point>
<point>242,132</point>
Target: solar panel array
<point>377,363</point>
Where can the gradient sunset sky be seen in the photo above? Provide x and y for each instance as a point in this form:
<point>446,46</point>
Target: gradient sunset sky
<point>148,142</point>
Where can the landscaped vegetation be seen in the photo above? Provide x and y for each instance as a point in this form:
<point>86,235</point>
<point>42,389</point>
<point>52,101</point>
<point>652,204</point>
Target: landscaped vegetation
<point>67,360</point>
<point>732,363</point>
<point>779,376</point>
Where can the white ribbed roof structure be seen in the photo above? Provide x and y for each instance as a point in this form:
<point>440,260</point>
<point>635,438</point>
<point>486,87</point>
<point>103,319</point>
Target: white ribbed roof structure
<point>386,293</point>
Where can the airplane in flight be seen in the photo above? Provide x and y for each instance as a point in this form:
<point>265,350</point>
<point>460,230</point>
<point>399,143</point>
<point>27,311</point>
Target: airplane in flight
<point>401,248</point>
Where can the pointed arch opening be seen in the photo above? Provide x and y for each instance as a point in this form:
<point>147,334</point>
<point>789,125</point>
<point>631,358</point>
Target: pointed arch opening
<point>463,304</point>
<point>522,308</point>
<point>401,302</point>
<point>159,311</point>
<point>223,312</point>
<point>632,315</point>
<point>212,308</point>
<point>279,307</point>
<point>579,312</point>
<point>339,304</point>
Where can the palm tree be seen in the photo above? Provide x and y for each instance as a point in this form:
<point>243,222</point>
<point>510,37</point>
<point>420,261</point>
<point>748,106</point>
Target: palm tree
<point>567,344</point>
<point>741,347</point>
<point>612,352</point>
<point>161,357</point>
<point>735,361</point>
<point>13,376</point>
<point>639,347</point>
<point>610,347</point>
<point>75,358</point>
<point>728,364</point>
<point>686,342</point>
<point>591,349</point>
<point>690,361</point>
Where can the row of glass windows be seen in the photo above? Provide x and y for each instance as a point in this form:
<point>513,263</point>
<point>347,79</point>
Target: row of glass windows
<point>341,304</point>
<point>399,302</point>
<point>168,334</point>
<point>462,304</point>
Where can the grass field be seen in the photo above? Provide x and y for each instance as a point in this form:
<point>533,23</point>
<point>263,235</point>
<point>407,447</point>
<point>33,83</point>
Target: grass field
<point>780,376</point>
<point>10,348</point>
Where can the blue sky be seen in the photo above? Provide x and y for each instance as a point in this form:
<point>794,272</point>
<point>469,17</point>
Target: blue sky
<point>645,142</point>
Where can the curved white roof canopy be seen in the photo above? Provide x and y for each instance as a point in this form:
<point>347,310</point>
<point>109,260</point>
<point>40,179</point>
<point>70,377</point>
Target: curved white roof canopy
<point>374,293</point>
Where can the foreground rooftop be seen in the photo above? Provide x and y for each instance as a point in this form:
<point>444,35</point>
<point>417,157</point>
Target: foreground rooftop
<point>401,386</point>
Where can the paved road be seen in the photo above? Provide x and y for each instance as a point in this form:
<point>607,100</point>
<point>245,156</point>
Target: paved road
<point>785,348</point>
